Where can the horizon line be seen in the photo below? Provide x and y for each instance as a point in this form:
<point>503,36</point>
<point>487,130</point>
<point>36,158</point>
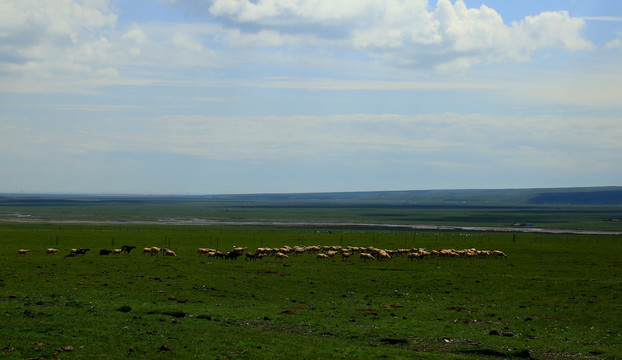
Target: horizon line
<point>129,194</point>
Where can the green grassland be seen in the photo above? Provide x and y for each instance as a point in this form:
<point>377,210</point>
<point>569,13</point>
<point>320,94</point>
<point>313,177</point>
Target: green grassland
<point>553,297</point>
<point>582,208</point>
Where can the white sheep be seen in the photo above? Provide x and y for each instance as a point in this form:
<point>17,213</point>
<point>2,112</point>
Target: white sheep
<point>498,253</point>
<point>204,251</point>
<point>23,251</point>
<point>366,256</point>
<point>383,255</point>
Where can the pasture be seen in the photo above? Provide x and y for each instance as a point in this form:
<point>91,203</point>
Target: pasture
<point>553,297</point>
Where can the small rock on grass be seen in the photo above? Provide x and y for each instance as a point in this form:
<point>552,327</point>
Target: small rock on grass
<point>64,348</point>
<point>165,348</point>
<point>125,308</point>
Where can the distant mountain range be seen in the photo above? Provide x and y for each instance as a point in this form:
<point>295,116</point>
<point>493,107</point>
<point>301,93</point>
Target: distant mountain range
<point>604,195</point>
<point>610,195</point>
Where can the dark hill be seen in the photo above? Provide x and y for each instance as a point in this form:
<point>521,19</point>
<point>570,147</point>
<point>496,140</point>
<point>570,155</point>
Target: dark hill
<point>606,197</point>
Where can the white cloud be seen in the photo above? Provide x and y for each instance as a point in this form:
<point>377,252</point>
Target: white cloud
<point>615,44</point>
<point>594,86</point>
<point>404,33</point>
<point>447,149</point>
<point>65,41</point>
<point>53,35</point>
<point>436,137</point>
<point>603,18</point>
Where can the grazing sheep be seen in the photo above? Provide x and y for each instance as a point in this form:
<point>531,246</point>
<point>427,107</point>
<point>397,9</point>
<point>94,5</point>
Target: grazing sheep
<point>499,254</point>
<point>262,250</point>
<point>204,251</point>
<point>484,253</point>
<point>217,254</point>
<point>345,255</point>
<point>252,256</point>
<point>313,248</point>
<point>168,252</point>
<point>383,255</point>
<point>285,249</point>
<point>448,253</point>
<point>105,252</point>
<point>78,251</point>
<point>366,256</point>
<point>23,251</point>
<point>321,256</point>
<point>116,251</point>
<point>280,255</point>
<point>49,251</point>
<point>414,256</point>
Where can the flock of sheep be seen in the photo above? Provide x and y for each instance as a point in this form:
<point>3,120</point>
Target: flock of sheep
<point>364,253</point>
<point>320,252</point>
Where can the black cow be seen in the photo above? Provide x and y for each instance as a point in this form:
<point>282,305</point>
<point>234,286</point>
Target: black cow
<point>81,251</point>
<point>127,248</point>
<point>105,252</point>
<point>232,255</point>
<point>74,252</point>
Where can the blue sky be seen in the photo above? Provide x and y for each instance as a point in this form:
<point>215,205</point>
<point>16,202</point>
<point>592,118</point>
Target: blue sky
<point>239,96</point>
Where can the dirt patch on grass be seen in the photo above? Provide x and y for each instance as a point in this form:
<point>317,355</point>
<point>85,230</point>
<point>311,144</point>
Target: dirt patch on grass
<point>272,272</point>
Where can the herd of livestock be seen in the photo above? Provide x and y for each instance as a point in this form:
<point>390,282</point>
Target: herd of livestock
<point>320,252</point>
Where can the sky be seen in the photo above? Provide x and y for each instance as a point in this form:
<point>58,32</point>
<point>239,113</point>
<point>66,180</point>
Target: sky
<point>291,96</point>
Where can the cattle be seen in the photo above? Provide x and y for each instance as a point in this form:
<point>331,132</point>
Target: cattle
<point>253,256</point>
<point>78,251</point>
<point>232,255</point>
<point>127,248</point>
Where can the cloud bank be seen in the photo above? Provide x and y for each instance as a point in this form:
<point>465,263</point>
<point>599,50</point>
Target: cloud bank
<point>401,32</point>
<point>67,37</point>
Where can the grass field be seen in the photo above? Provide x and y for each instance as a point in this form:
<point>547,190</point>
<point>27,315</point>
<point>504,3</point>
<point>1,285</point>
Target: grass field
<point>541,216</point>
<point>553,297</point>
